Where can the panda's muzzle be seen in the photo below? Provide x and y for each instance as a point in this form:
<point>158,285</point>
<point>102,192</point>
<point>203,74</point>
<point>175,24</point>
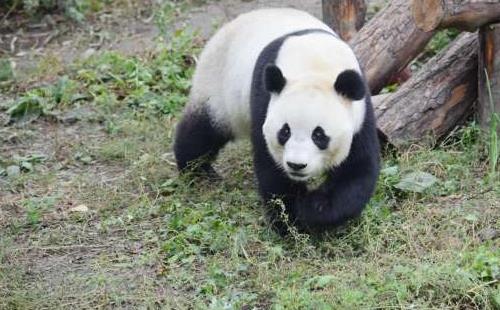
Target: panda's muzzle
<point>296,167</point>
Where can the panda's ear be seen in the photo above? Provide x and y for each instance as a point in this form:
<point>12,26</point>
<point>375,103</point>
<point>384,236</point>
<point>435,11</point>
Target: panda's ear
<point>274,81</point>
<point>350,84</point>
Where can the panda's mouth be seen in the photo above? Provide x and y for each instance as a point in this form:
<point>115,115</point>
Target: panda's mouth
<point>298,176</point>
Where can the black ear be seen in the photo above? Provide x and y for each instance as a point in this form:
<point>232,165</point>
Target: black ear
<point>274,79</point>
<point>350,84</point>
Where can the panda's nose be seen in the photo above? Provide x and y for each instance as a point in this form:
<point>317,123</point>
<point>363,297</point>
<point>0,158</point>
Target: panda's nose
<point>296,166</point>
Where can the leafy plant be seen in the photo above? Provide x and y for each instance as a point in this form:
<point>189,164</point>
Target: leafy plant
<point>158,83</point>
<point>73,9</point>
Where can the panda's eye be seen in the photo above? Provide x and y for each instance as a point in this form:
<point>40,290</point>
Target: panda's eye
<point>284,134</point>
<point>320,138</point>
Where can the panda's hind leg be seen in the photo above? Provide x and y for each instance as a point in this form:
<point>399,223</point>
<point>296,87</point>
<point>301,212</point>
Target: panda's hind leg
<point>197,142</point>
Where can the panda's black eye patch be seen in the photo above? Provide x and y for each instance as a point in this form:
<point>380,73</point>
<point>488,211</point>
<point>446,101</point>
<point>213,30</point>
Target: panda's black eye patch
<point>284,134</point>
<point>320,138</point>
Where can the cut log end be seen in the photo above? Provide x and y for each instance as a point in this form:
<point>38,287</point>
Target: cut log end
<point>346,17</point>
<point>427,14</point>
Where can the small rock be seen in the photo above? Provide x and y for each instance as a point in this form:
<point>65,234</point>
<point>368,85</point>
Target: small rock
<point>488,234</point>
<point>13,171</point>
<point>89,52</point>
<point>80,209</point>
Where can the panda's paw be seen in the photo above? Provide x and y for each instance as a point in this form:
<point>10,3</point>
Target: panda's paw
<point>210,174</point>
<point>202,172</point>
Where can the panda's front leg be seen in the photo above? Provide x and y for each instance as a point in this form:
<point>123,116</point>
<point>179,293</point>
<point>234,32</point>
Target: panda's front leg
<point>274,185</point>
<point>340,198</point>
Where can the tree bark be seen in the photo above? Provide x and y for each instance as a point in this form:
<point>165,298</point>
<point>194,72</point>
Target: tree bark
<point>434,100</point>
<point>464,14</point>
<point>489,69</point>
<point>388,43</point>
<point>346,17</point>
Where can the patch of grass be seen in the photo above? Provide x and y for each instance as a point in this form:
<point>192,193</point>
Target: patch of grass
<point>73,9</point>
<point>111,79</point>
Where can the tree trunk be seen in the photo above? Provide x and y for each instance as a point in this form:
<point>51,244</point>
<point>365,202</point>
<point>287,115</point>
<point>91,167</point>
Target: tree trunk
<point>489,67</point>
<point>388,43</point>
<point>346,17</point>
<point>434,100</point>
<point>464,14</point>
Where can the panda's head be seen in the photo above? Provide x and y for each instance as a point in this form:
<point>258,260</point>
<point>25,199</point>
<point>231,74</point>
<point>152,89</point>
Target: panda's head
<point>310,123</point>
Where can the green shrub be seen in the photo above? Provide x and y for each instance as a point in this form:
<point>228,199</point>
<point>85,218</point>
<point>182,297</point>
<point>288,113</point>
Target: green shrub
<point>73,9</point>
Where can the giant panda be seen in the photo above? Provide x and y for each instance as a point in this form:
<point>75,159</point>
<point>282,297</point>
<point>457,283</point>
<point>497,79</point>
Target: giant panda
<point>284,79</point>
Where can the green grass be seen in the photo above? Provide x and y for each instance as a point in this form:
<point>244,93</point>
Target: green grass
<point>154,239</point>
<point>493,130</point>
<point>75,10</point>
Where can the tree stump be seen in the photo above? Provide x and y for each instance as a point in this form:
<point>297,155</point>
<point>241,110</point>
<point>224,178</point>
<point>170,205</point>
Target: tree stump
<point>346,17</point>
<point>489,70</point>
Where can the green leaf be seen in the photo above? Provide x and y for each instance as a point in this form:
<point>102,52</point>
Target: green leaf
<point>319,282</point>
<point>392,170</point>
<point>417,182</point>
<point>28,108</point>
<point>27,166</point>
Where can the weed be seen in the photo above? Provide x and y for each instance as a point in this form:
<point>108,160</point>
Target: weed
<point>73,9</point>
<point>493,150</point>
<point>112,79</point>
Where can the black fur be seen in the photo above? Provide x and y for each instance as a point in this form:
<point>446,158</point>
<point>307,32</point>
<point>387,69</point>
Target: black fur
<point>320,138</point>
<point>346,189</point>
<point>351,85</point>
<point>274,79</point>
<point>197,142</point>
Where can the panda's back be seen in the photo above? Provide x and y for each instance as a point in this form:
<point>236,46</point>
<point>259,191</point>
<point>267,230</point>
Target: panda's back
<point>223,75</point>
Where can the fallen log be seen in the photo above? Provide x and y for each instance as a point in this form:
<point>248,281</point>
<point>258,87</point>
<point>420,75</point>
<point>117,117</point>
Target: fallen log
<point>388,43</point>
<point>466,15</point>
<point>489,71</point>
<point>434,100</point>
<point>346,17</point>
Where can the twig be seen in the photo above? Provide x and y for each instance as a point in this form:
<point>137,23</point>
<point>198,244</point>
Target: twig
<point>13,45</point>
<point>473,290</point>
<point>66,247</point>
<point>49,38</point>
<point>12,8</point>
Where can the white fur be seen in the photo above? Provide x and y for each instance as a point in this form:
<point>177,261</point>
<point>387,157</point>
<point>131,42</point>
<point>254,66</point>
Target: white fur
<point>303,108</point>
<point>310,64</point>
<point>224,72</point>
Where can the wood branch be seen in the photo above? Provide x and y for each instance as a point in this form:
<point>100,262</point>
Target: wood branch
<point>434,100</point>
<point>346,17</point>
<point>489,66</point>
<point>465,14</point>
<point>388,43</point>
